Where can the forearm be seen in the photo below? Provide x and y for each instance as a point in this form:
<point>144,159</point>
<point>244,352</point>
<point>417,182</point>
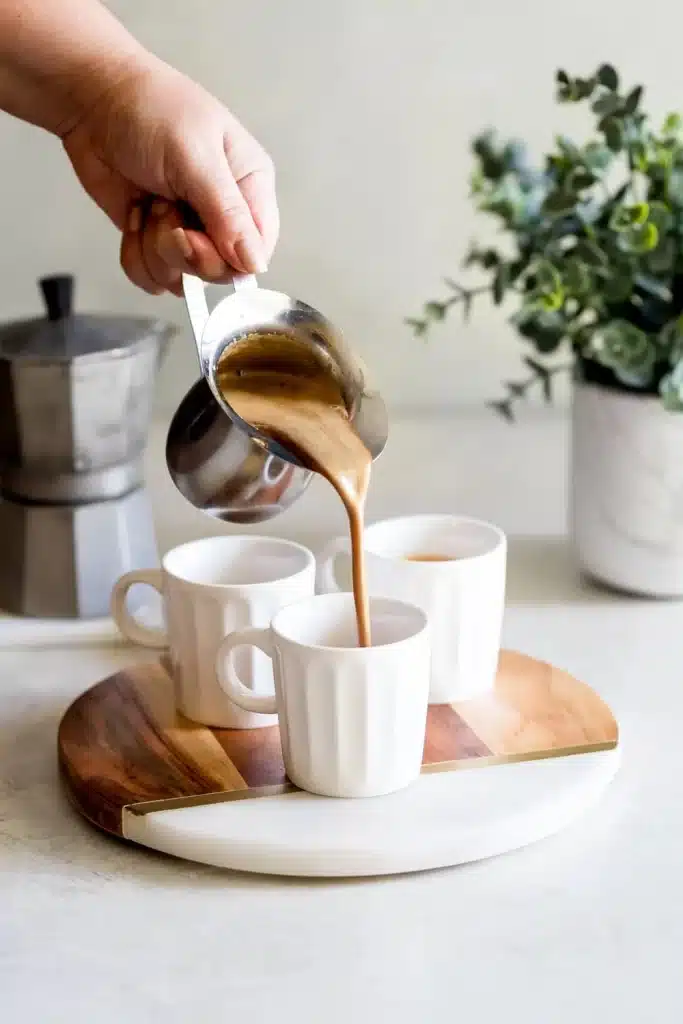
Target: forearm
<point>58,57</point>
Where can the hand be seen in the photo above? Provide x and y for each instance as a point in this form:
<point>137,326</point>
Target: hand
<point>155,132</point>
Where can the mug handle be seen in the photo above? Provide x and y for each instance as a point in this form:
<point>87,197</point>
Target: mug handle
<point>325,576</point>
<point>128,625</point>
<point>230,682</point>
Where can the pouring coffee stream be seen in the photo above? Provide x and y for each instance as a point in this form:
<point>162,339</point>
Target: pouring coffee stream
<point>281,397</point>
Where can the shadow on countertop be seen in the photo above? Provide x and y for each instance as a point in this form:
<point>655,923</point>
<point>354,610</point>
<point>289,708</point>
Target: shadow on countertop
<point>543,571</point>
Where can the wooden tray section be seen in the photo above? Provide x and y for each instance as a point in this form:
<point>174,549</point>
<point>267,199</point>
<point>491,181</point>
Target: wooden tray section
<point>123,748</point>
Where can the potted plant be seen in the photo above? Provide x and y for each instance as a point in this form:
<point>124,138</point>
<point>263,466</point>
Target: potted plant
<point>592,258</point>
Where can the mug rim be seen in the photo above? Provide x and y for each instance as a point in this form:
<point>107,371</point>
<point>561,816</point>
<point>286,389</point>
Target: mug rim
<point>499,539</point>
<point>237,539</point>
<point>347,599</point>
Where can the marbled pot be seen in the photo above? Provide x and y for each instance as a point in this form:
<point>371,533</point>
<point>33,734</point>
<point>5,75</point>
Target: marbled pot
<point>626,494</point>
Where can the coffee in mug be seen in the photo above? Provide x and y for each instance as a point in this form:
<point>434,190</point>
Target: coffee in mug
<point>454,569</point>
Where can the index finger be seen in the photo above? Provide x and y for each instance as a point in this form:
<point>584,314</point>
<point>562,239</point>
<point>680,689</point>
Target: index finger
<point>258,189</point>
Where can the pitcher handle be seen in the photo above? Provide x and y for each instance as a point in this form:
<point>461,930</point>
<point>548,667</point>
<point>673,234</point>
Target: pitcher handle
<point>194,292</point>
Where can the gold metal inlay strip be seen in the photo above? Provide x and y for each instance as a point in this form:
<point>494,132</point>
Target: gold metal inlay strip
<point>259,792</point>
<point>173,803</point>
<point>533,755</point>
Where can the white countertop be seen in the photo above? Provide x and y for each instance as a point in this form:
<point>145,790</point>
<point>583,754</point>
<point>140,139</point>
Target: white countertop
<point>585,926</point>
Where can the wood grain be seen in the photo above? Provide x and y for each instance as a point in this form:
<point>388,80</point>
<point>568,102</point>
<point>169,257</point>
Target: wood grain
<point>122,742</point>
<point>448,734</point>
<point>255,753</point>
<point>113,751</point>
<point>536,707</point>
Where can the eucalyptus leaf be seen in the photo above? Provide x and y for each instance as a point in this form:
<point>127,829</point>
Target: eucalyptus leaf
<point>608,103</point>
<point>547,277</point>
<point>500,283</point>
<point>639,155</point>
<point>578,179</point>
<point>671,388</point>
<point>477,181</point>
<point>672,124</point>
<point>639,213</point>
<point>550,301</point>
<point>635,378</point>
<point>590,252</point>
<point>486,149</point>
<point>640,239</point>
<point>576,277</point>
<point>503,407</point>
<point>486,258</point>
<point>559,202</point>
<point>607,76</point>
<point>545,330</point>
<point>625,348</point>
<point>596,156</point>
<point>516,158</point>
<point>614,133</point>
<point>675,187</point>
<point>626,217</point>
<point>670,340</point>
<point>620,220</point>
<point>618,285</point>
<point>583,88</point>
<point>419,327</point>
<point>580,336</point>
<point>569,150</point>
<point>662,259</point>
<point>633,99</point>
<point>435,310</point>
<point>661,216</point>
<point>499,206</point>
<point>671,395</point>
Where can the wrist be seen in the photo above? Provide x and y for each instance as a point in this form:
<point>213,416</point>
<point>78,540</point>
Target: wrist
<point>58,57</point>
<point>90,82</point>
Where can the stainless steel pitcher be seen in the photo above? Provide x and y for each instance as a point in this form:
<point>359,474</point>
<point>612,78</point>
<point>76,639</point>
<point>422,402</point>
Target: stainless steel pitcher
<point>226,466</point>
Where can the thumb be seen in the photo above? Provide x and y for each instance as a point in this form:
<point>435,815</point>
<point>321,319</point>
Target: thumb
<point>216,198</point>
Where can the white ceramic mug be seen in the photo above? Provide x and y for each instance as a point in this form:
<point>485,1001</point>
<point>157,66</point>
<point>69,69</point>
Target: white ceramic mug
<point>463,598</point>
<point>352,719</point>
<point>209,588</point>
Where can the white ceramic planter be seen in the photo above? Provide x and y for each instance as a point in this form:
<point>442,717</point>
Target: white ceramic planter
<point>626,493</point>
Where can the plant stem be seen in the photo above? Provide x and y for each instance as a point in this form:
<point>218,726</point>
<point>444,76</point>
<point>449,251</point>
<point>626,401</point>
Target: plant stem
<point>518,389</point>
<point>461,293</point>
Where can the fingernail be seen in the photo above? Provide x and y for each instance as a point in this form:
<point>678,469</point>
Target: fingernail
<point>251,256</point>
<point>135,219</point>
<point>184,244</point>
<point>159,207</point>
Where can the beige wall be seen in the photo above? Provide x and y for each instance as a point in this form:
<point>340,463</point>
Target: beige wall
<point>367,107</point>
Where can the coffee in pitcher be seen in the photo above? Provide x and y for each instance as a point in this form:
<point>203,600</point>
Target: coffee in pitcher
<point>280,388</point>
